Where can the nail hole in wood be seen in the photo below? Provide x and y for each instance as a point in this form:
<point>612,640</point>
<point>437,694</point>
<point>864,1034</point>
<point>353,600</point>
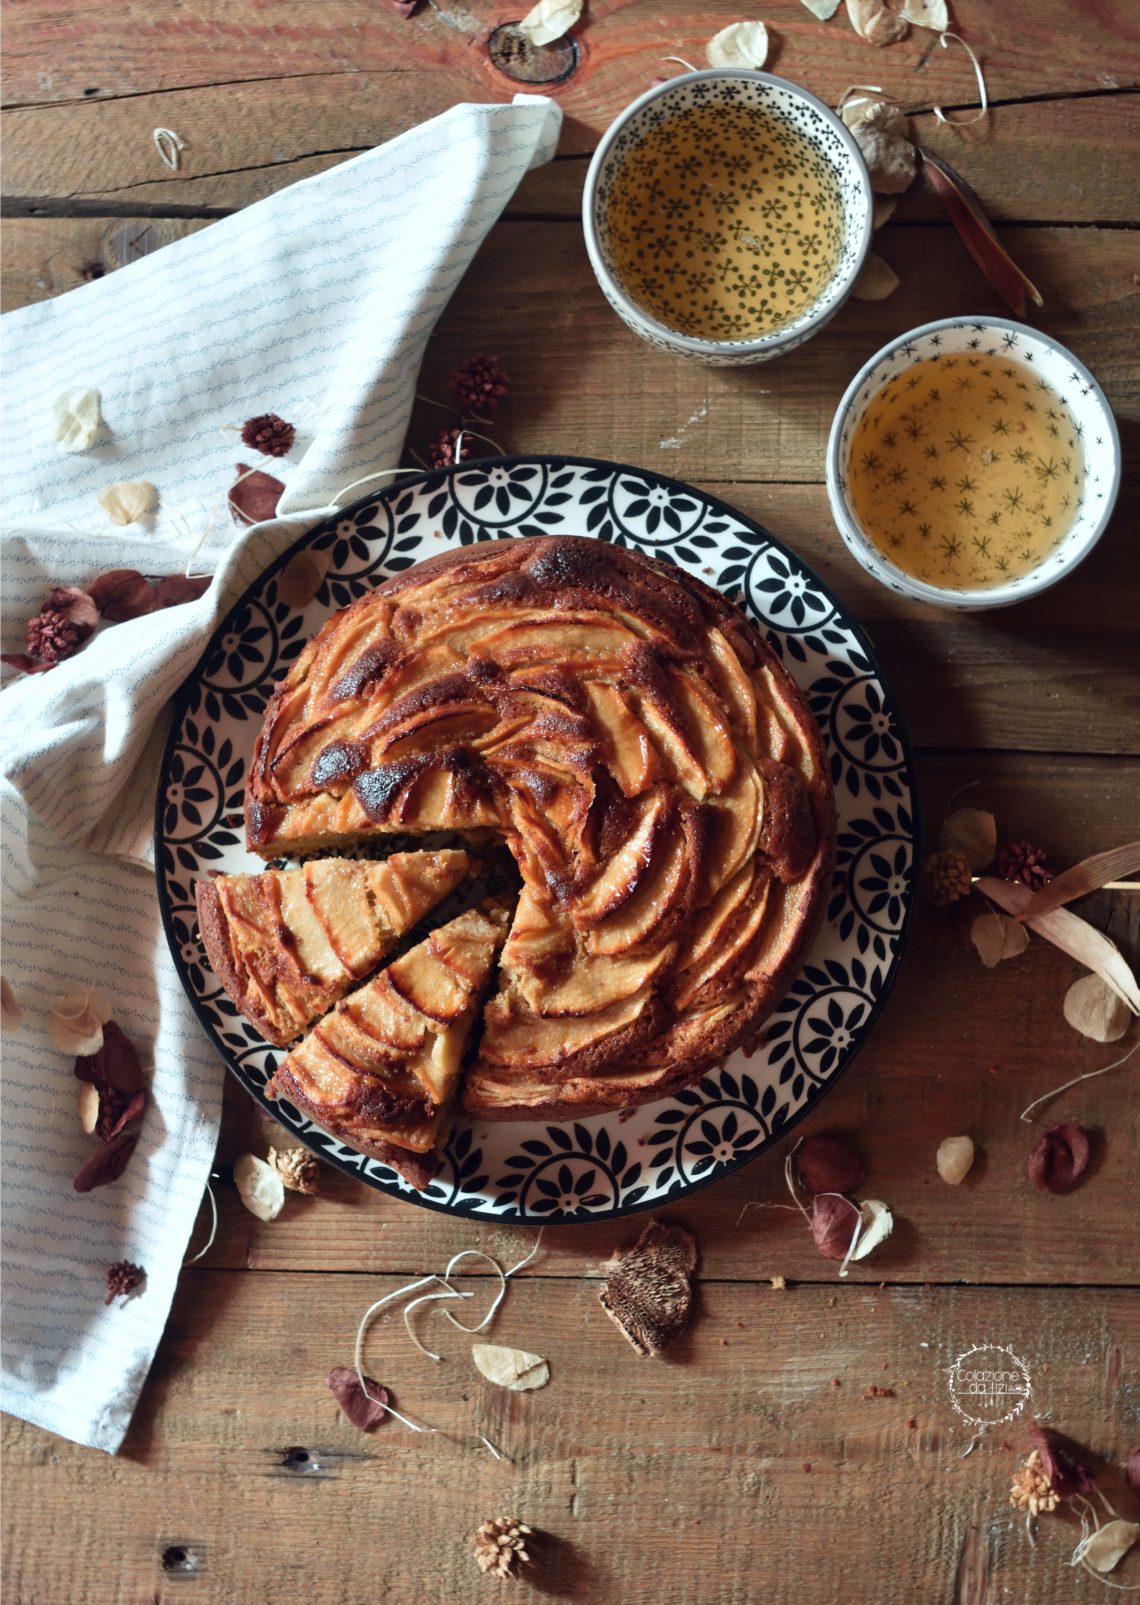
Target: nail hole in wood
<point>300,1460</point>
<point>514,55</point>
<point>182,1560</point>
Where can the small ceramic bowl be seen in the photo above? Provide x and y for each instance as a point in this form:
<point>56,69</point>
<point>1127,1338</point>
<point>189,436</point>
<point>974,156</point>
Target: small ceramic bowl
<point>1016,342</point>
<point>731,88</point>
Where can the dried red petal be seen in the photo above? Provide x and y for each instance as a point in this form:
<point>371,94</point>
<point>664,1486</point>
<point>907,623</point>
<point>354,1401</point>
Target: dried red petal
<point>833,1222</point>
<point>122,594</point>
<point>827,1165</point>
<point>1059,1159</point>
<point>254,496</point>
<point>131,1111</point>
<point>404,7</point>
<point>174,589</point>
<point>1065,1473</point>
<point>107,1164</point>
<point>116,1065</point>
<point>363,1412</point>
<point>1132,1470</point>
<point>27,665</point>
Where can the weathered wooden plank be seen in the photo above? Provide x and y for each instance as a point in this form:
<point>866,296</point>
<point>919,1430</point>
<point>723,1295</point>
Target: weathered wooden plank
<point>677,1482</point>
<point>58,50</point>
<point>46,256</point>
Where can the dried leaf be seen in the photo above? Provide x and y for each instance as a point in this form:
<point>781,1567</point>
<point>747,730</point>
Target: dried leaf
<point>873,21</point>
<point>1095,1010</point>
<point>876,1225</point>
<point>550,20</point>
<point>259,1187</point>
<point>254,495</point>
<point>973,833</point>
<point>1060,1158</point>
<point>76,1023</point>
<point>174,589</point>
<point>955,1159</point>
<point>25,664</point>
<point>997,937</point>
<point>827,1165</point>
<point>302,577</point>
<point>833,1223</point>
<point>1065,1475</point>
<point>876,280</point>
<point>511,1368</point>
<point>78,418</point>
<point>964,210</point>
<point>1087,876</point>
<point>648,1292</point>
<point>361,1411</point>
<point>1072,935</point>
<point>823,9</point>
<point>1132,1470</point>
<point>107,1164</point>
<point>115,1063</point>
<point>741,44</point>
<point>931,14</point>
<point>11,1014</point>
<point>1109,1545</point>
<point>121,594</point>
<point>128,500</point>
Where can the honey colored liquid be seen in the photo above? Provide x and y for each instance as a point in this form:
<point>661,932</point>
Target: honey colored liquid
<point>966,470</point>
<point>724,223</point>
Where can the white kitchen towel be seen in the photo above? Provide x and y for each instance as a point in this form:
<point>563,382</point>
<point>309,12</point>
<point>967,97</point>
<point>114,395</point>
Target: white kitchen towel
<point>315,304</point>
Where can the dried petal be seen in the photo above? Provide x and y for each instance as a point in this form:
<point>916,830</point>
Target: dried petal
<point>1109,1545</point>
<point>107,1164</point>
<point>259,1187</point>
<point>998,937</point>
<point>115,1063</point>
<point>741,44</point>
<point>926,14</point>
<point>1066,1476</point>
<point>882,133</point>
<point>1071,934</point>
<point>302,577</point>
<point>128,500</point>
<point>1096,1011</point>
<point>877,279</point>
<point>88,1106</point>
<point>123,593</point>
<point>550,20</point>
<point>78,418</point>
<point>76,1023</point>
<point>873,21</point>
<point>955,1159</point>
<point>25,663</point>
<point>363,1410</point>
<point>973,833</point>
<point>823,9</point>
<point>1087,876</point>
<point>511,1368</point>
<point>1059,1159</point>
<point>11,1014</point>
<point>132,1110</point>
<point>964,210</point>
<point>174,589</point>
<point>74,605</point>
<point>648,1292</point>
<point>833,1223</point>
<point>827,1165</point>
<point>254,495</point>
<point>876,1225</point>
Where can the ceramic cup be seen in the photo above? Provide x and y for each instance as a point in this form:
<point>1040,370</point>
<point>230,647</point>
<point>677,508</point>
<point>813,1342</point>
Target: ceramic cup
<point>996,338</point>
<point>730,88</point>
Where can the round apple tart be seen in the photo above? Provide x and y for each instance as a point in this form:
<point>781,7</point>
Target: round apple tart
<point>651,765</point>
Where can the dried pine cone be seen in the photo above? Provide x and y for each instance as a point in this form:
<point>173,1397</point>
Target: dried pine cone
<point>1030,1488</point>
<point>122,1279</point>
<point>442,450</point>
<point>945,878</point>
<point>480,384</point>
<point>268,434</point>
<point>297,1168</point>
<point>1021,861</point>
<point>500,1546</point>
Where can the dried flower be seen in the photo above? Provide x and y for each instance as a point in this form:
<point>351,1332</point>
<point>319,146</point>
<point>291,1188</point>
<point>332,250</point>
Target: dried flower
<point>741,44</point>
<point>122,1279</point>
<point>1021,861</point>
<point>107,1164</point>
<point>550,20</point>
<point>259,1186</point>
<point>973,833</point>
<point>955,1159</point>
<point>932,14</point>
<point>1060,1158</point>
<point>442,450</point>
<point>500,1546</point>
<point>480,384</point>
<point>648,1292</point>
<point>116,1075</point>
<point>11,1014</point>
<point>254,496</point>
<point>1096,1011</point>
<point>76,1022</point>
<point>1063,1472</point>
<point>66,620</point>
<point>364,1407</point>
<point>827,1165</point>
<point>268,434</point>
<point>1030,1488</point>
<point>516,1369</point>
<point>298,1169</point>
<point>128,500</point>
<point>945,877</point>
<point>78,419</point>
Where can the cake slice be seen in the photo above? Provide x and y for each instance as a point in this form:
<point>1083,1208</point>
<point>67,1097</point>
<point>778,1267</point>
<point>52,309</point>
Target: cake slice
<point>287,944</point>
<point>380,1072</point>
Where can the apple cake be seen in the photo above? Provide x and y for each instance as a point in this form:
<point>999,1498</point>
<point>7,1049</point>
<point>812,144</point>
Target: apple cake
<point>651,765</point>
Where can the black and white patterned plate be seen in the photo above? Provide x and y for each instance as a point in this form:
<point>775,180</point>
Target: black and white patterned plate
<point>610,1164</point>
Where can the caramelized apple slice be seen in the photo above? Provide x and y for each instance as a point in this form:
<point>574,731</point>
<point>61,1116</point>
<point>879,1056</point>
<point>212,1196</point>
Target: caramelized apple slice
<point>629,754</point>
<point>628,867</point>
<point>650,906</point>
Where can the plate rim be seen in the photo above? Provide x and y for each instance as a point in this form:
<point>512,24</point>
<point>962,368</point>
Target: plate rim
<point>438,476</point>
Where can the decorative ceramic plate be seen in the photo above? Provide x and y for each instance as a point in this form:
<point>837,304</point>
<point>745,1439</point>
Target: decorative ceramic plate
<point>612,1164</point>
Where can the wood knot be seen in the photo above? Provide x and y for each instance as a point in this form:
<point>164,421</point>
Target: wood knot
<point>516,58</point>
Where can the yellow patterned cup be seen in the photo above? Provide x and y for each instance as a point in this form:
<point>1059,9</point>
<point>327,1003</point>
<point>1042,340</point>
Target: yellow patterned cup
<point>727,215</point>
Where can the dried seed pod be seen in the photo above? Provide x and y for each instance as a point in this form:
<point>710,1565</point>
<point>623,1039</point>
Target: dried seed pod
<point>128,500</point>
<point>107,1164</point>
<point>516,1369</point>
<point>827,1165</point>
<point>1060,1158</point>
<point>955,1159</point>
<point>648,1293</point>
<point>259,1187</point>
<point>88,1106</point>
<point>833,1223</point>
<point>997,937</point>
<point>1064,1473</point>
<point>1096,1011</point>
<point>873,21</point>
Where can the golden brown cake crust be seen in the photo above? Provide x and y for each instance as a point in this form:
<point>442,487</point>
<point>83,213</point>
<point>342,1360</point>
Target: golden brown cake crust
<point>654,769</point>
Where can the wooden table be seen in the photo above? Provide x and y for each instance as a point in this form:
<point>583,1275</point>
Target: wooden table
<point>754,1462</point>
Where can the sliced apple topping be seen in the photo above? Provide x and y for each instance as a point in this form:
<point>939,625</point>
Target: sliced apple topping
<point>625,871</point>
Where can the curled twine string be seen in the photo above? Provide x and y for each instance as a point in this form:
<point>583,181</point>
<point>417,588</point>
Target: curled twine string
<point>1089,1075</point>
<point>983,109</point>
<point>169,147</point>
<point>447,1292</point>
<point>209,1243</point>
<point>1090,1526</point>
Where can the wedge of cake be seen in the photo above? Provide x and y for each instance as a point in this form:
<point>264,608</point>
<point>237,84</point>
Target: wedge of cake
<point>287,944</point>
<point>381,1071</point>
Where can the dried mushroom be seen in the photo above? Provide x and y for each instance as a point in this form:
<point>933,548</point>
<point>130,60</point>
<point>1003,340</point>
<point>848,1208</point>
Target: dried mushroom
<point>881,132</point>
<point>648,1292</point>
